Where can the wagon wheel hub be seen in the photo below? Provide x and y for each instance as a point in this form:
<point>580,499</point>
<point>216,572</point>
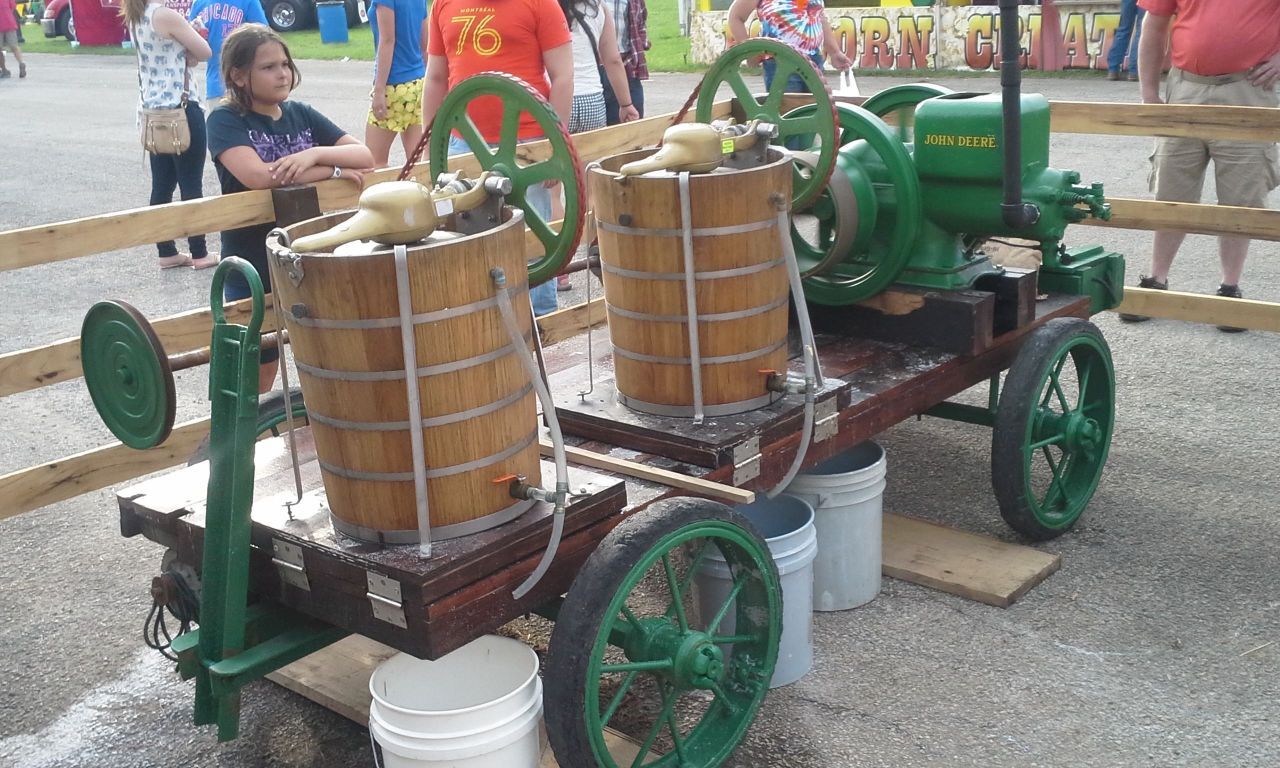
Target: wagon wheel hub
<point>1076,431</point>
<point>695,662</point>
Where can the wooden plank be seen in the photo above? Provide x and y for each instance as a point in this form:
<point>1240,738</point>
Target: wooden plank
<point>971,566</point>
<point>726,493</point>
<point>955,321</point>
<point>46,243</point>
<point>27,369</point>
<point>1257,223</point>
<point>1198,308</point>
<point>337,678</point>
<point>1193,121</point>
<point>65,478</point>
<point>570,321</point>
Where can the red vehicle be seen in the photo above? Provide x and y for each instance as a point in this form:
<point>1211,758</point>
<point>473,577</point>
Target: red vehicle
<point>57,21</point>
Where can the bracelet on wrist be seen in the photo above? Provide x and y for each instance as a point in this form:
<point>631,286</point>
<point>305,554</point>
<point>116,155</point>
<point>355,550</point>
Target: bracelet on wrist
<point>337,172</point>
<point>624,106</point>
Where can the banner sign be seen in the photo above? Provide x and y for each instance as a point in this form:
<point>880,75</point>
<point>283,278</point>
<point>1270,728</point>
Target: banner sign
<point>951,37</point>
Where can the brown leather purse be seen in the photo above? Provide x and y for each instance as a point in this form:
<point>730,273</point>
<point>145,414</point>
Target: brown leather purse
<point>165,131</point>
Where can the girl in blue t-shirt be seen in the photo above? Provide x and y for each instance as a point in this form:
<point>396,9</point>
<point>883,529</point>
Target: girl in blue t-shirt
<point>259,139</point>
<point>399,41</point>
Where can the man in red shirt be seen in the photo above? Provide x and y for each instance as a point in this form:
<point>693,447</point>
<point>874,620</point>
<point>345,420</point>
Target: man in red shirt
<point>526,38</point>
<point>1224,52</point>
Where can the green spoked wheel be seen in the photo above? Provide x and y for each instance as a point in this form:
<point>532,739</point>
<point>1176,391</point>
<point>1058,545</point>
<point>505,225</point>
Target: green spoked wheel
<point>819,121</point>
<point>517,100</point>
<point>1053,428</point>
<point>127,373</point>
<point>901,101</point>
<point>879,173</point>
<point>630,651</point>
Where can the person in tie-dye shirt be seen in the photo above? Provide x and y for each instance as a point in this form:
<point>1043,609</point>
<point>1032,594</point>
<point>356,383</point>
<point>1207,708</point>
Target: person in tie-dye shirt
<point>801,24</point>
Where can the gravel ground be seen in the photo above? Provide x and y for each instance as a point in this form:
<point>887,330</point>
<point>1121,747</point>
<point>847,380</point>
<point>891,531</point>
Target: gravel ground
<point>1151,646</point>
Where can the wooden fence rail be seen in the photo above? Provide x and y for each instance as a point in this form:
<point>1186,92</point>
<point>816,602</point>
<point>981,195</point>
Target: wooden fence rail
<point>24,370</point>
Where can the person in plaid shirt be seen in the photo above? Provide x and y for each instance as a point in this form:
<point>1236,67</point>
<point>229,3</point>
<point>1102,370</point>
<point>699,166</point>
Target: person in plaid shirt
<point>630,22</point>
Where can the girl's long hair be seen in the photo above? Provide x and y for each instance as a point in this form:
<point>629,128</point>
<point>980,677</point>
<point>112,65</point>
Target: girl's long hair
<point>583,8</point>
<point>238,52</point>
<point>131,11</point>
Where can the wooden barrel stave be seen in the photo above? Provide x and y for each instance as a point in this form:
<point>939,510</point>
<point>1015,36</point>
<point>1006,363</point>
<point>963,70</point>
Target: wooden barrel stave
<point>361,455</point>
<point>741,283</point>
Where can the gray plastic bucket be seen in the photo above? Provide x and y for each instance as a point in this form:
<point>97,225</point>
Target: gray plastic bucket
<point>847,494</point>
<point>786,523</point>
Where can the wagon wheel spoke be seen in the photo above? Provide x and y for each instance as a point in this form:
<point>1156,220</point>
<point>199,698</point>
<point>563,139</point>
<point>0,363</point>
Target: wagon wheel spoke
<point>668,704</point>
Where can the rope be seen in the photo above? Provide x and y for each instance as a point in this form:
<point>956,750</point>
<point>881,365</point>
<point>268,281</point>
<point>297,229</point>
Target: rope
<point>415,156</point>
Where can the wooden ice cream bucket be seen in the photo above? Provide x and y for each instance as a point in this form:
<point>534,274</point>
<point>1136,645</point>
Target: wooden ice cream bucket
<point>477,402</point>
<point>741,284</point>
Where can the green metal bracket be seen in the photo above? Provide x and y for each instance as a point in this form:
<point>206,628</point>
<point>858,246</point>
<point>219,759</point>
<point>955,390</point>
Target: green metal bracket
<point>222,654</point>
<point>1091,271</point>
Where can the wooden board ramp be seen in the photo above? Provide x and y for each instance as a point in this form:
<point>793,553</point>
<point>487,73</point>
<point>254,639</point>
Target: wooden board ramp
<point>965,564</point>
<point>337,678</point>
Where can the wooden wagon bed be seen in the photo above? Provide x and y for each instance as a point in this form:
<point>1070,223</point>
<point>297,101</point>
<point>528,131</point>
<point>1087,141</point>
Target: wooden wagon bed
<point>430,607</point>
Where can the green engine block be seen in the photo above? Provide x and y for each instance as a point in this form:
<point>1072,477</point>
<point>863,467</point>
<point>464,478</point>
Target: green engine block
<point>929,194</point>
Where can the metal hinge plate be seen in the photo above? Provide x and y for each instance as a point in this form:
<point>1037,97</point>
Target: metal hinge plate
<point>287,559</point>
<point>385,598</point>
<point>826,420</point>
<point>746,461</point>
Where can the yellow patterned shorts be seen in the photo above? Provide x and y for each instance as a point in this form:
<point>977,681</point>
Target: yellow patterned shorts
<point>404,107</point>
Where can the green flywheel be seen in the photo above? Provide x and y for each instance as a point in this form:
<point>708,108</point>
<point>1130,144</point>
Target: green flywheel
<point>127,373</point>
<point>629,644</point>
<point>818,124</point>
<point>879,177</point>
<point>519,104</point>
<point>901,101</point>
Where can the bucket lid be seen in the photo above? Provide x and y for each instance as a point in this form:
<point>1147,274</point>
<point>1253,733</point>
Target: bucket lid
<point>454,676</point>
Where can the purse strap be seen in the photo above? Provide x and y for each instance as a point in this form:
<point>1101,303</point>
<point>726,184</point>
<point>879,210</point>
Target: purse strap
<point>591,38</point>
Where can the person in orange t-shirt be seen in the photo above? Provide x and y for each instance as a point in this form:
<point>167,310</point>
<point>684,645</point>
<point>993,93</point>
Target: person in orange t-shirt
<point>1224,52</point>
<point>526,38</point>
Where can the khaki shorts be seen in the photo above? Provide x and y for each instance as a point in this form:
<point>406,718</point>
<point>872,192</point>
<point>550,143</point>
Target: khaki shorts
<point>9,38</point>
<point>404,107</point>
<point>1244,171</point>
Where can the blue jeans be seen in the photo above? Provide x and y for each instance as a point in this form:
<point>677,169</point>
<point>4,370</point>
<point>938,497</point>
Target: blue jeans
<point>795,84</point>
<point>1127,35</point>
<point>611,101</point>
<point>542,297</point>
<point>184,171</point>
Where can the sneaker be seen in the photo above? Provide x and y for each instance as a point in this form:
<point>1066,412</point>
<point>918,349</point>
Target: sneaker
<point>563,284</point>
<point>5,73</point>
<point>22,70</point>
<point>1113,74</point>
<point>176,260</point>
<point>1133,77</point>
<point>1144,282</point>
<point>206,261</point>
<point>1230,292</point>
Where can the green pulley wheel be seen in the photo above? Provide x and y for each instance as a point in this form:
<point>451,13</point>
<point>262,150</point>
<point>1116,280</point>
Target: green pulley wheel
<point>1053,428</point>
<point>901,101</point>
<point>127,373</point>
<point>819,121</point>
<point>629,647</point>
<point>833,219</point>
<point>503,155</point>
<point>890,211</point>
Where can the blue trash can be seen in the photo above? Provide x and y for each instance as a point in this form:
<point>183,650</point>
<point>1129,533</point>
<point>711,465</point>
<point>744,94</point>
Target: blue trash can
<point>332,18</point>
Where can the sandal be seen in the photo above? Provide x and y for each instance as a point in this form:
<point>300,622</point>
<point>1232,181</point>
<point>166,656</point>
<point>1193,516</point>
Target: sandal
<point>176,260</point>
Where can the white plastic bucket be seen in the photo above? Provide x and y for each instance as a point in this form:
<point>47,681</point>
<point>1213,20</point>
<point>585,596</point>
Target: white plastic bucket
<point>786,523</point>
<point>847,494</point>
<point>477,707</point>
